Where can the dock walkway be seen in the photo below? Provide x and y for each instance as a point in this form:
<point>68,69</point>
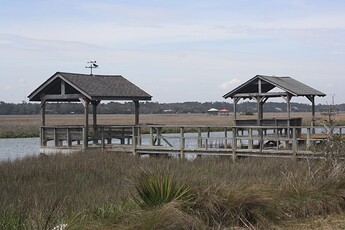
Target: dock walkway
<point>179,141</point>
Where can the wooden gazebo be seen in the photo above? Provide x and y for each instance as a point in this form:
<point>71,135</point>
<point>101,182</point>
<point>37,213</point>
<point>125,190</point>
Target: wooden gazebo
<point>260,89</point>
<point>88,89</point>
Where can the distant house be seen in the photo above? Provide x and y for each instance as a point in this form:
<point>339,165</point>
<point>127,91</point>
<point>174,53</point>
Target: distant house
<point>212,111</point>
<point>224,112</point>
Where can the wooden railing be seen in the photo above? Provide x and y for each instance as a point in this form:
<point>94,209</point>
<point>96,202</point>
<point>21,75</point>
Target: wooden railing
<point>234,141</point>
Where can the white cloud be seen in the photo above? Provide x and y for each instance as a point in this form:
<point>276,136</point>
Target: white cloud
<point>228,84</point>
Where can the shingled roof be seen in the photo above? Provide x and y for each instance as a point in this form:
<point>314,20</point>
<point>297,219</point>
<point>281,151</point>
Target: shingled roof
<point>93,87</point>
<point>286,84</point>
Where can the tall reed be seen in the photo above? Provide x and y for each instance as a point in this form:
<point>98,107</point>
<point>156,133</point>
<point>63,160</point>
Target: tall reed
<point>96,190</point>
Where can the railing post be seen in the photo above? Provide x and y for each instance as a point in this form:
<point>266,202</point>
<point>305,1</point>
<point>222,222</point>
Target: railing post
<point>151,137</point>
<point>182,143</point>
<point>234,143</point>
<point>225,138</point>
<point>308,142</point>
<point>250,138</point>
<point>56,139</point>
<point>294,143</point>
<point>276,129</point>
<point>199,138</point>
<point>43,137</point>
<point>134,140</point>
<point>85,138</point>
<point>208,137</point>
<point>159,133</point>
<point>69,141</point>
<point>139,136</point>
<point>122,139</point>
<point>102,139</point>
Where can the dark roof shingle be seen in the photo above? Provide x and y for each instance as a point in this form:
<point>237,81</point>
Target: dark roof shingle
<point>96,87</point>
<point>287,84</point>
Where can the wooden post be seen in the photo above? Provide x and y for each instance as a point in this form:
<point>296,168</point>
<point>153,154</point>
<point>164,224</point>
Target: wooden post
<point>225,138</point>
<point>94,120</point>
<point>159,134</point>
<point>250,138</point>
<point>234,143</point>
<point>261,142</point>
<point>308,143</point>
<point>276,130</point>
<point>312,100</point>
<point>152,143</point>
<point>69,140</point>
<point>294,143</point>
<point>102,139</point>
<point>208,137</point>
<point>43,112</point>
<point>56,139</point>
<point>134,140</point>
<point>85,103</point>
<point>289,114</point>
<point>94,112</point>
<point>139,136</point>
<point>42,137</point>
<point>259,101</point>
<point>136,111</point>
<point>182,143</point>
<point>199,138</point>
<point>235,100</point>
<point>239,140</point>
<point>313,111</point>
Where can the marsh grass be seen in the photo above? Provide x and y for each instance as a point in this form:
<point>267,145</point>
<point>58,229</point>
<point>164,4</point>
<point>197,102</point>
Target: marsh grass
<point>96,190</point>
<point>28,125</point>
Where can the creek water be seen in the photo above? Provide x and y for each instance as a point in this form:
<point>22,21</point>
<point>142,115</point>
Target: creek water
<point>13,148</point>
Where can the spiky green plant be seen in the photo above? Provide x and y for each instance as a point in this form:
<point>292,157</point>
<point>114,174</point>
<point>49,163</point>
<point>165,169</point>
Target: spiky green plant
<point>155,190</point>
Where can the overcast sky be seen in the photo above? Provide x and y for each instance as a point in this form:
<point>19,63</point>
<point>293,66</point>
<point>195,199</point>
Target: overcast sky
<point>190,50</point>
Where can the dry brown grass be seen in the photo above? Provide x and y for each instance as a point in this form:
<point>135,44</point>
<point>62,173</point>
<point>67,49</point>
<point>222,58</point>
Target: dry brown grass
<point>28,125</point>
<point>96,190</point>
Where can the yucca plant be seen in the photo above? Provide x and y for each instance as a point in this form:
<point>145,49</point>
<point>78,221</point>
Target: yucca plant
<point>156,190</point>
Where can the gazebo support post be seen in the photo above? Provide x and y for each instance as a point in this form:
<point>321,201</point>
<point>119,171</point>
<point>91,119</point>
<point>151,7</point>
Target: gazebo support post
<point>135,132</point>
<point>260,102</point>
<point>312,100</point>
<point>236,99</point>
<point>94,119</point>
<point>43,112</point>
<point>136,111</point>
<point>85,103</point>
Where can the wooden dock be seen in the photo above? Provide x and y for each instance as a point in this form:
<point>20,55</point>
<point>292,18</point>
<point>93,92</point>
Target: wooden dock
<point>186,141</point>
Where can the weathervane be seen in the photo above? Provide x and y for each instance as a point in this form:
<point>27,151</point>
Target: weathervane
<point>93,65</point>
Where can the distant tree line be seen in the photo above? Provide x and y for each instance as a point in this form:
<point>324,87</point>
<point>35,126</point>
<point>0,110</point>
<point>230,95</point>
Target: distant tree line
<point>25,108</point>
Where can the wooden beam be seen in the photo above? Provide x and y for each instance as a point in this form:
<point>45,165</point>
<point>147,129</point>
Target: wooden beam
<point>52,97</point>
<point>270,94</point>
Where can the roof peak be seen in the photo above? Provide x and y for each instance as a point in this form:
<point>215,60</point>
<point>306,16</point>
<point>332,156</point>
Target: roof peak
<point>260,75</point>
<point>87,75</point>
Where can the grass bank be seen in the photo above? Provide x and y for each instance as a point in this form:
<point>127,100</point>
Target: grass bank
<point>116,191</point>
